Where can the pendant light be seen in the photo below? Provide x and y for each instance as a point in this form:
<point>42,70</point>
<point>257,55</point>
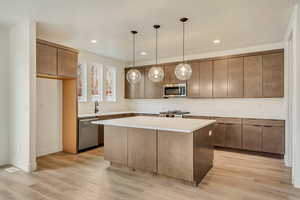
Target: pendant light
<point>183,71</point>
<point>156,73</point>
<point>133,76</point>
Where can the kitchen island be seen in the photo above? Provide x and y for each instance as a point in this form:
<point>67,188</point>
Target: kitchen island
<point>175,147</point>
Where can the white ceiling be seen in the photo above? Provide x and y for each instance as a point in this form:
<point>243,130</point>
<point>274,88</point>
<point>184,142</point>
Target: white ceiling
<point>237,23</point>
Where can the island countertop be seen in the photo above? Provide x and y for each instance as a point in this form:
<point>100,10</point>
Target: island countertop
<point>183,125</point>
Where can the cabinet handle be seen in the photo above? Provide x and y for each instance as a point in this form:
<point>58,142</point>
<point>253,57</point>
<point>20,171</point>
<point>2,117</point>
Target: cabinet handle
<point>268,126</point>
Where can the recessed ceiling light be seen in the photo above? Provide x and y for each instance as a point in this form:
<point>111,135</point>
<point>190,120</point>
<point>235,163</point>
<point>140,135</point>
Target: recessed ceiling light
<point>143,53</point>
<point>216,41</point>
<point>93,41</point>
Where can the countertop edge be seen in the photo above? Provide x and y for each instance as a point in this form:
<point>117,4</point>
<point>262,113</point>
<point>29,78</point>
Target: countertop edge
<point>107,123</point>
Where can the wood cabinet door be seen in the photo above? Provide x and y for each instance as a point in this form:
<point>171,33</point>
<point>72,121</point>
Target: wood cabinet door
<point>115,148</point>
<point>205,79</point>
<point>169,74</point>
<point>101,134</point>
<point>142,148</point>
<point>170,77</point>
<point>253,76</point>
<point>273,69</point>
<point>219,134</point>
<point>175,155</point>
<point>233,136</point>
<point>135,91</point>
<point>193,83</point>
<point>152,90</point>
<point>273,139</point>
<point>235,77</point>
<point>252,137</point>
<point>220,78</point>
<point>67,63</point>
<point>46,59</point>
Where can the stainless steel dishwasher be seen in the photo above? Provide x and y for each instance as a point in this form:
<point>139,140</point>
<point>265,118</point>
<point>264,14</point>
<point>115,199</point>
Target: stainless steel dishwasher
<point>88,134</point>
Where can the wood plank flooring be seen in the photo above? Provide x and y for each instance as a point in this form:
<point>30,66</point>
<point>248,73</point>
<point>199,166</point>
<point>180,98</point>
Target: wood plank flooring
<point>87,176</point>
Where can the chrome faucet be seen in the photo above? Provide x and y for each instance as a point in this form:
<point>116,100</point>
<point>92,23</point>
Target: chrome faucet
<point>96,110</point>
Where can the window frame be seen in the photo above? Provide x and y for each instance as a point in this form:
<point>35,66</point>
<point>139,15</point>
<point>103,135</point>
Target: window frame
<point>84,98</point>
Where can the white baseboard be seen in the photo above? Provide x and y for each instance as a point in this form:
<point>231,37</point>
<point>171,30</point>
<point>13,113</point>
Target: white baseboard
<point>25,166</point>
<point>49,150</point>
<point>287,161</point>
<point>32,167</point>
<point>297,182</point>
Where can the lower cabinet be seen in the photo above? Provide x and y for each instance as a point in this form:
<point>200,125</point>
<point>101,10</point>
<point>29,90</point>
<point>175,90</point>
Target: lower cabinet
<point>252,137</point>
<point>263,135</point>
<point>101,134</point>
<point>233,137</point>
<point>228,132</point>
<point>273,139</point>
<point>260,135</point>
<point>219,134</point>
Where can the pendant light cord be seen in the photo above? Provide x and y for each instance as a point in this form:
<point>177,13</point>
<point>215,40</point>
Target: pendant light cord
<point>156,47</point>
<point>183,42</point>
<point>133,50</point>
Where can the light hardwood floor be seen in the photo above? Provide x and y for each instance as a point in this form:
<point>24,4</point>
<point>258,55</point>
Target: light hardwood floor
<point>88,177</point>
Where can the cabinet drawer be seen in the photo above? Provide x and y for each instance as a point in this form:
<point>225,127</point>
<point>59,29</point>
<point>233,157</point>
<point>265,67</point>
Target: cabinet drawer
<point>263,122</point>
<point>228,120</point>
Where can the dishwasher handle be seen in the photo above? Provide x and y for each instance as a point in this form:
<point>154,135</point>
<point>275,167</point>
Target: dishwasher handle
<point>87,122</point>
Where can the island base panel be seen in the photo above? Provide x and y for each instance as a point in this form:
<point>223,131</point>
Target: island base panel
<point>203,152</point>
<point>142,149</point>
<point>115,148</point>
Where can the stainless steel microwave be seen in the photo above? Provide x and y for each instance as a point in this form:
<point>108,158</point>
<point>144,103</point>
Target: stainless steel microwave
<point>174,90</point>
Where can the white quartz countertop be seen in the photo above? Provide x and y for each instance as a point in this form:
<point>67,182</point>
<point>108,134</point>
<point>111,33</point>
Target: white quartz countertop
<point>112,113</point>
<point>102,114</point>
<point>158,123</point>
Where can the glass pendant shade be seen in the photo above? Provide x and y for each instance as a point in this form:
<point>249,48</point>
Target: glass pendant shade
<point>156,74</point>
<point>133,76</point>
<point>183,71</point>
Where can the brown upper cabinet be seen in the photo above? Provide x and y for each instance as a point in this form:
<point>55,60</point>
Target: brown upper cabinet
<point>55,61</point>
<point>235,77</point>
<point>67,63</point>
<point>152,90</point>
<point>170,77</point>
<point>273,69</point>
<point>193,84</point>
<point>253,76</point>
<point>200,84</point>
<point>220,78</point>
<point>206,79</point>
<point>135,91</point>
<point>46,59</point>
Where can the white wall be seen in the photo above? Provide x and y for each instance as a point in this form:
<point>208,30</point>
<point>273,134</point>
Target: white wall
<point>4,86</point>
<point>49,116</point>
<point>252,108</point>
<point>226,107</point>
<point>22,95</point>
<point>120,104</point>
<point>293,33</point>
